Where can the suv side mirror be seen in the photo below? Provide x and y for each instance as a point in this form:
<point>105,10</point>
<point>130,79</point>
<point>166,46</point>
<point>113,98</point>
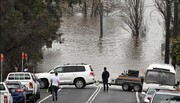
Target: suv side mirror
<point>51,72</point>
<point>178,83</point>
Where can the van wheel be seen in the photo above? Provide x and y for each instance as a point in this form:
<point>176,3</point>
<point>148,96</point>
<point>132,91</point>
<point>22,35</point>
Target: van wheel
<point>137,88</point>
<point>44,84</point>
<point>125,87</point>
<point>79,83</point>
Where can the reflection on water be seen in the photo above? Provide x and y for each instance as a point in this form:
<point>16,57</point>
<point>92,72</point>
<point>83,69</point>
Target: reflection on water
<point>118,50</point>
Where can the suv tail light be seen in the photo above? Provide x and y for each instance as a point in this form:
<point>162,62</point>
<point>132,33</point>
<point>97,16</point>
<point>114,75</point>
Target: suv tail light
<point>91,73</point>
<point>19,90</point>
<point>5,99</point>
<point>30,85</point>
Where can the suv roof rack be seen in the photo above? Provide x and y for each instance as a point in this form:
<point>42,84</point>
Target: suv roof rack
<point>75,64</point>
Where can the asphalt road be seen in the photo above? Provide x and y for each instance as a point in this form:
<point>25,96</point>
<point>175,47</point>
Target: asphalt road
<point>90,94</point>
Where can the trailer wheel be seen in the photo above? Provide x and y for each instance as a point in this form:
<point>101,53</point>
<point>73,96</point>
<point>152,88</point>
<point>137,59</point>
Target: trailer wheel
<point>125,86</point>
<point>137,88</point>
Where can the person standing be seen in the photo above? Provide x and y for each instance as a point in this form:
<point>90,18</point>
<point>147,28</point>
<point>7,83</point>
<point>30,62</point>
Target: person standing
<point>55,86</point>
<point>105,76</point>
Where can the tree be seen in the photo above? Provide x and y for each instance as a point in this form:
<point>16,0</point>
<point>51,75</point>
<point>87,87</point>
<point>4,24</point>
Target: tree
<point>161,7</point>
<point>133,17</point>
<point>170,20</point>
<point>175,50</point>
<point>27,26</point>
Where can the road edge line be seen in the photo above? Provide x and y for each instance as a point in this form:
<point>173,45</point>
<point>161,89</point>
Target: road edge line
<point>48,96</point>
<point>95,94</point>
<point>137,97</point>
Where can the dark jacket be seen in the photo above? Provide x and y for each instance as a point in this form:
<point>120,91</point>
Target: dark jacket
<point>105,76</point>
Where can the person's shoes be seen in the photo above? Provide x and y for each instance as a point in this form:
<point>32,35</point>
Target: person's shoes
<point>56,99</point>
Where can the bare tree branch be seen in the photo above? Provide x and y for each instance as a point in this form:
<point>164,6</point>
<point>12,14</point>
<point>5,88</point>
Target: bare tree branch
<point>133,18</point>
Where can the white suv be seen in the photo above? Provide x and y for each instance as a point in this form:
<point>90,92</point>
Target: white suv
<point>79,75</point>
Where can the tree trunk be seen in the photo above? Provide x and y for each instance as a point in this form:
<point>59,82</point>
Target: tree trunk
<point>94,9</point>
<point>85,8</point>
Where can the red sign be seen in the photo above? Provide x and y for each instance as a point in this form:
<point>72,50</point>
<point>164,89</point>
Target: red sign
<point>2,57</point>
<point>26,56</point>
<point>22,55</point>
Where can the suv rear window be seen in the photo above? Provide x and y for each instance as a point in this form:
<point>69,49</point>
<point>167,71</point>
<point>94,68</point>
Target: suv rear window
<point>19,77</point>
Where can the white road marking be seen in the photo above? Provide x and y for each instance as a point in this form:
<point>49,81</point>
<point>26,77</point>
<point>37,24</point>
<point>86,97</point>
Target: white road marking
<point>48,96</point>
<point>137,97</point>
<point>94,95</point>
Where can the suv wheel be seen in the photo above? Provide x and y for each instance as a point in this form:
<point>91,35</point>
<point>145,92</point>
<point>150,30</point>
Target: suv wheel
<point>44,84</point>
<point>79,83</point>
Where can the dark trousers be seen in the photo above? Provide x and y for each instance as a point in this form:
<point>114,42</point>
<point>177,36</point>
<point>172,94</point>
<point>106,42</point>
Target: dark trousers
<point>105,84</point>
<point>54,91</point>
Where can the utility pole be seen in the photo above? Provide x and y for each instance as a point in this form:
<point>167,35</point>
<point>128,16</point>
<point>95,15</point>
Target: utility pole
<point>101,19</point>
<point>176,8</point>
<point>175,28</point>
<point>168,18</point>
<point>22,65</point>
<point>1,73</point>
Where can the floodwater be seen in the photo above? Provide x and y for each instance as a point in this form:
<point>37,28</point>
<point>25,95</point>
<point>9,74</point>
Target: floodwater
<point>118,50</point>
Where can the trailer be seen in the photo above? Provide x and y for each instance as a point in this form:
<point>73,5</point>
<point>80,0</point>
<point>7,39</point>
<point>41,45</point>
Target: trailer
<point>129,81</point>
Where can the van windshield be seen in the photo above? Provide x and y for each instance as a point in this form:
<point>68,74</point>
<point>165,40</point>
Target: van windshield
<point>160,77</point>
